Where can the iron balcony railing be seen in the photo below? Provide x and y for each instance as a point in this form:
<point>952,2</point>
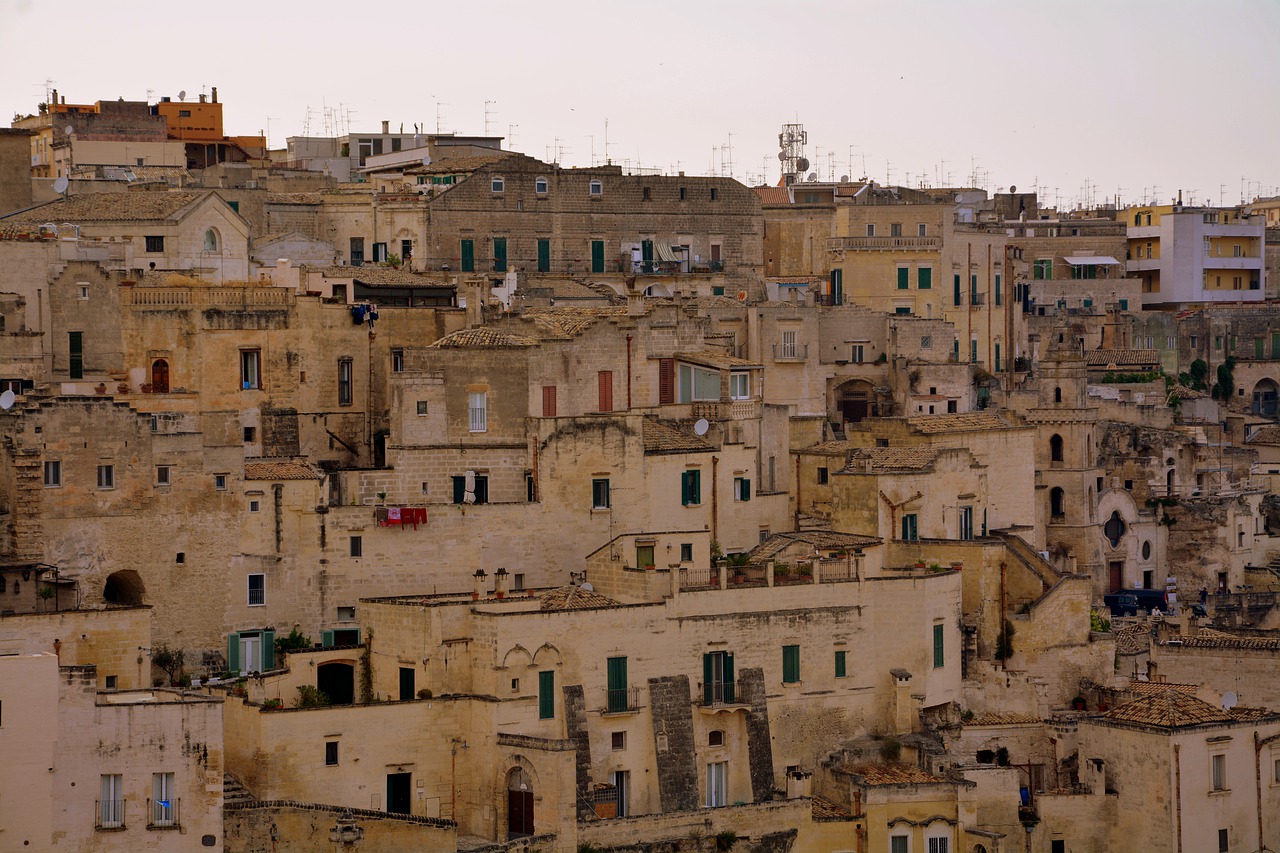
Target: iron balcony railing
<point>109,814</point>
<point>164,813</point>
<point>622,700</point>
<point>719,693</point>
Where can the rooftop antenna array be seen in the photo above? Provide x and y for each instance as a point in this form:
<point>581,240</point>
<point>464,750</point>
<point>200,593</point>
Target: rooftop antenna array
<point>487,120</point>
<point>791,143</point>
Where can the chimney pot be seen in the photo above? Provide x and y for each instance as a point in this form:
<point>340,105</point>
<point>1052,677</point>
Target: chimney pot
<point>386,126</point>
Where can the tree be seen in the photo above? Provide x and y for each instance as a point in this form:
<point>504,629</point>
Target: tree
<point>1225,388</point>
<point>169,660</point>
<point>1198,375</point>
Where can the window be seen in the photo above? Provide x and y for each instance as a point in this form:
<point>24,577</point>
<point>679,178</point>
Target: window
<point>497,184</point>
<point>1055,448</point>
<point>857,353</point>
<point>741,489</point>
<point>597,256</point>
<point>250,434</point>
<point>715,737</point>
<point>717,775</point>
<point>357,546</point>
<point>479,490</point>
<point>397,361</point>
<point>546,695</point>
<point>164,808</point>
<point>871,229</point>
<point>75,355</point>
<point>715,193</point>
<point>910,527</point>
<point>644,556</point>
<point>596,189</point>
<point>717,678</point>
<point>468,249</point>
<point>478,407</point>
<point>924,278</point>
<point>616,672</point>
<point>499,254</point>
<point>347,613</point>
<point>904,275</point>
<point>1218,767</point>
<point>52,474</point>
<point>697,383</point>
<point>250,369</point>
<point>999,293</point>
<point>691,487</point>
<point>344,382</point>
<point>739,386</point>
<point>155,244</point>
<point>939,658</point>
<point>938,845</point>
<point>604,387</point>
<point>790,664</point>
<point>540,185</point>
<point>922,230</point>
<point>1042,269</point>
<point>423,407</point>
<point>257,590</point>
<point>897,844</point>
<point>548,401</point>
<point>111,802</point>
<point>686,556</point>
<point>600,493</point>
<point>163,475</point>
<point>955,288</point>
<point>966,522</point>
<point>219,482</point>
<point>84,291</point>
<point>1224,841</point>
<point>356,253</point>
<point>254,506</point>
<point>841,663</point>
<point>1057,503</point>
<point>824,475</point>
<point>331,753</point>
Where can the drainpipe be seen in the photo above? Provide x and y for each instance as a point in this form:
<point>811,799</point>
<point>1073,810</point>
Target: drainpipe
<point>798,483</point>
<point>1003,617</point>
<point>715,494</point>
<point>628,373</point>
<point>1177,789</point>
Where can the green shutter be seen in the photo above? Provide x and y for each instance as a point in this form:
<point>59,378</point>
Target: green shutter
<point>499,254</point>
<point>938,658</point>
<point>997,358</point>
<point>840,664</point>
<point>268,651</point>
<point>1258,345</point>
<point>973,351</point>
<point>544,255</point>
<point>836,290</point>
<point>728,678</point>
<point>468,255</point>
<point>546,695</point>
<point>924,278</point>
<point>955,297</point>
<point>326,639</point>
<point>233,654</point>
<point>75,350</point>
<point>597,256</point>
<point>617,681</point>
<point>790,664</point>
<point>904,275</point>
<point>746,490</point>
<point>1124,304</point>
<point>708,672</point>
<point>695,487</point>
<point>973,288</point>
<point>646,251</point>
<point>998,295</point>
<point>357,636</point>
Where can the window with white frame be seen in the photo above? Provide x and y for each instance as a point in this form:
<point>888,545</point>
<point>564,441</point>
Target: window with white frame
<point>106,476</point>
<point>540,185</point>
<point>257,590</point>
<point>698,383</point>
<point>52,474</point>
<point>478,407</point>
<point>596,188</point>
<point>111,801</point>
<point>497,184</point>
<point>899,844</point>
<point>1218,771</point>
<point>740,386</point>
<point>717,779</point>
<point>788,348</point>
<point>250,369</point>
<point>939,844</point>
<point>164,806</point>
<point>163,475</point>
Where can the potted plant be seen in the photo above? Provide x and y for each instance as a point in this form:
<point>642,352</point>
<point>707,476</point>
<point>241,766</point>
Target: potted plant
<point>123,388</point>
<point>101,388</point>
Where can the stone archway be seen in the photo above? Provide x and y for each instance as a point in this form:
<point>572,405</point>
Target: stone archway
<point>1266,398</point>
<point>855,401</point>
<point>124,587</point>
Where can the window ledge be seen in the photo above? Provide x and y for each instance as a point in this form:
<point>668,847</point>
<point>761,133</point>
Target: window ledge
<point>162,827</point>
<point>1220,792</point>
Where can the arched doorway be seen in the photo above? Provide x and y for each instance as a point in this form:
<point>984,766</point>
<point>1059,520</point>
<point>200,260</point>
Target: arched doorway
<point>854,401</point>
<point>124,587</point>
<point>519,803</point>
<point>337,681</point>
<point>1266,398</point>
<point>160,376</point>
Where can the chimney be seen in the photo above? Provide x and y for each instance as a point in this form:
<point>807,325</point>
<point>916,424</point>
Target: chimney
<point>477,590</point>
<point>475,303</point>
<point>214,96</point>
<point>55,100</point>
<point>386,126</point>
<point>203,99</point>
<point>903,705</point>
<point>500,583</point>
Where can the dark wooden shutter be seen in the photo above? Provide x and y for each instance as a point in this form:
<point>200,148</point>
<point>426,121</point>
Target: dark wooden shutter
<point>548,401</point>
<point>605,378</point>
<point>666,380</point>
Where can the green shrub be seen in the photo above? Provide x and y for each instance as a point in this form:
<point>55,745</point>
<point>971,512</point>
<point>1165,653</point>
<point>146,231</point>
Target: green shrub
<point>310,696</point>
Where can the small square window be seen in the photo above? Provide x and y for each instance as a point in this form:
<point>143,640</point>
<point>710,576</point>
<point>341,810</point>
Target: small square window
<point>347,614</point>
<point>926,341</point>
<point>250,434</point>
<point>515,685</point>
<point>110,682</point>
<point>824,476</point>
<point>596,188</point>
<point>163,475</point>
<point>540,186</point>
<point>254,506</point>
<point>422,407</point>
<point>84,291</point>
<point>52,474</point>
<point>106,476</point>
<point>219,482</point>
<point>155,244</point>
<point>497,184</point>
<point>331,753</point>
<point>686,556</point>
<point>618,740</point>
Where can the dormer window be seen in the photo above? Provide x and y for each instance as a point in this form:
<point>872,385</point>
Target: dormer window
<point>497,184</point>
<point>540,186</point>
<point>597,189</point>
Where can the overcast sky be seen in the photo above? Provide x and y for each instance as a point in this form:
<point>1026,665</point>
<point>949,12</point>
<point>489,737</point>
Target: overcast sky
<point>1082,100</point>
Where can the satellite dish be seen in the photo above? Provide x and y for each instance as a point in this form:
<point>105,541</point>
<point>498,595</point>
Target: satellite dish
<point>701,426</point>
<point>782,155</point>
<point>182,96</point>
<point>844,179</point>
<point>802,164</point>
<point>60,185</point>
<point>6,400</point>
<point>587,587</point>
<point>1229,700</point>
<point>69,129</point>
<point>1013,188</point>
<point>813,176</point>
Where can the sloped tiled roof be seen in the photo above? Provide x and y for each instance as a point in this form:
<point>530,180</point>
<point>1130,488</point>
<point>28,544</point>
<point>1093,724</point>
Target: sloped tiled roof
<point>881,459</point>
<point>1155,688</point>
<point>279,469</point>
<point>968,422</point>
<point>831,448</point>
<point>1122,357</point>
<point>110,207</point>
<point>295,198</point>
<point>571,321</point>
<point>823,809</point>
<point>1132,639</point>
<point>573,598</point>
<point>772,195</point>
<point>380,276</point>
<point>715,359</point>
<point>997,719</point>
<point>794,279</point>
<point>661,437</point>
<point>892,774</point>
<point>1168,709</point>
<point>457,165</point>
<point>483,338</point>
<point>1265,435</point>
<point>820,539</point>
<point>1208,638</point>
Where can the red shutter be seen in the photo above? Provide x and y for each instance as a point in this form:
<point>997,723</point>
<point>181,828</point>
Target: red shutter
<point>606,390</point>
<point>548,401</point>
<point>666,380</point>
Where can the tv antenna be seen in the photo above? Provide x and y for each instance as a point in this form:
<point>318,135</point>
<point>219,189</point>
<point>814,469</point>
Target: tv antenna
<point>487,113</point>
<point>791,143</point>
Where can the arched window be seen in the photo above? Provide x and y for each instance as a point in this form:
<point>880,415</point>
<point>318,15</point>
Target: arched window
<point>715,738</point>
<point>160,376</point>
<point>1057,395</point>
<point>1057,503</point>
<point>211,241</point>
<point>1055,448</point>
<point>1114,529</point>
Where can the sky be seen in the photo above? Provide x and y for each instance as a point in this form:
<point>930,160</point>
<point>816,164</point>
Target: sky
<point>1082,101</point>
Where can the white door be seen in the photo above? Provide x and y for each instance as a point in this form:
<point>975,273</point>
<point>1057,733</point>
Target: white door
<point>716,773</point>
<point>622,781</point>
<point>250,654</point>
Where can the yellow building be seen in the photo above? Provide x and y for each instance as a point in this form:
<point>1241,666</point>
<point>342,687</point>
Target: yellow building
<point>1196,254</point>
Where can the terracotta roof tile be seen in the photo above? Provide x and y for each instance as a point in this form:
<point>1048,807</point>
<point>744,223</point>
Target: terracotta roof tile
<point>968,422</point>
<point>772,195</point>
<point>483,338</point>
<point>380,276</point>
<point>875,460</point>
<point>1133,639</point>
<point>997,719</point>
<point>1269,434</point>
<point>1208,638</point>
<point>1122,357</point>
<point>279,469</point>
<point>1155,688</point>
<point>458,165</point>
<point>1168,709</point>
<point>110,207</point>
<point>823,809</point>
<point>820,539</point>
<point>573,598</point>
<point>892,774</point>
<point>794,279</point>
<point>831,448</point>
<point>660,437</point>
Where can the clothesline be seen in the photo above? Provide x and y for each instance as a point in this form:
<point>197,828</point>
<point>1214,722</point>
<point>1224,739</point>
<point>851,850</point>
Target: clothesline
<point>387,516</point>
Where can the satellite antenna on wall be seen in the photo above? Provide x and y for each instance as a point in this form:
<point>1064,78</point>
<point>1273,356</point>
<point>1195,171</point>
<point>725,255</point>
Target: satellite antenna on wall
<point>6,400</point>
<point>1013,188</point>
<point>701,426</point>
<point>1229,700</point>
<point>182,95</point>
<point>844,179</point>
<point>60,184</point>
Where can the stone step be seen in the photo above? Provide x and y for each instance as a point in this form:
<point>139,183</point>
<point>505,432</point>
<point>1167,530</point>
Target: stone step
<point>233,791</point>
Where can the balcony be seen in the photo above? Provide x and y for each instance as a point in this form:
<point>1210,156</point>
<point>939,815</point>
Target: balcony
<point>884,244</point>
<point>163,814</point>
<point>109,815</point>
<point>719,693</point>
<point>624,700</point>
<point>790,352</point>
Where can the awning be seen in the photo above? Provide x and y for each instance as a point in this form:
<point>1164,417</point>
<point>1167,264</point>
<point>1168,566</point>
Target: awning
<point>666,253</point>
<point>1091,260</point>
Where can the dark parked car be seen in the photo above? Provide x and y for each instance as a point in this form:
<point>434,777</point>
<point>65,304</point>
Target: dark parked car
<point>1131,602</point>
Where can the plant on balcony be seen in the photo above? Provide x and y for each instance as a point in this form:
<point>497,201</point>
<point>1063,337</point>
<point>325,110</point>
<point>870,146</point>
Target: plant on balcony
<point>169,661</point>
<point>100,388</point>
<point>272,705</point>
<point>310,696</point>
<point>726,840</point>
<point>881,358</point>
<point>295,641</point>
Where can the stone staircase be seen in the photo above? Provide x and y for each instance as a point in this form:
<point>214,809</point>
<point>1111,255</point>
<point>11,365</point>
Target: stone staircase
<point>233,792</point>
